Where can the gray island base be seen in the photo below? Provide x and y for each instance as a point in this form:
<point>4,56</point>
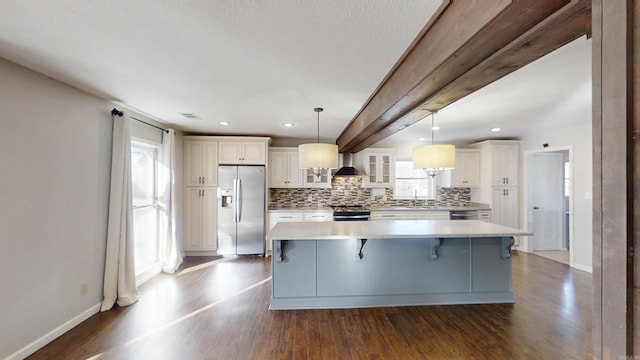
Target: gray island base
<point>390,263</point>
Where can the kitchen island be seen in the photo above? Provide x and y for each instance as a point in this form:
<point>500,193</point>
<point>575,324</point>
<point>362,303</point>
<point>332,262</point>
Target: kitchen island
<point>390,263</point>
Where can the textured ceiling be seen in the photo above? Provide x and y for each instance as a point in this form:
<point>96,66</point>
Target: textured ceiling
<point>255,64</point>
<point>258,64</point>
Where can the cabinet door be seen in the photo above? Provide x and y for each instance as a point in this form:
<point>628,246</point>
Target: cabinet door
<point>293,172</point>
<point>283,169</point>
<point>210,163</point>
<point>317,217</point>
<point>192,219</point>
<point>310,180</point>
<point>388,215</point>
<point>484,215</point>
<point>504,206</point>
<point>385,168</point>
<point>471,169</point>
<point>505,165</point>
<point>209,219</point>
<point>229,152</point>
<point>193,163</point>
<point>510,161</point>
<point>253,153</point>
<point>278,169</point>
<point>372,169</point>
<point>379,168</point>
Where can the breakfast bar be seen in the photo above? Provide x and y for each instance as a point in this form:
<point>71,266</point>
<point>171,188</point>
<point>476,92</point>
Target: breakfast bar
<point>390,263</point>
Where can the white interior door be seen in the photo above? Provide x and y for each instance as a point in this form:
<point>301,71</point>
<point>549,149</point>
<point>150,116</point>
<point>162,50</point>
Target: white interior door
<point>546,205</point>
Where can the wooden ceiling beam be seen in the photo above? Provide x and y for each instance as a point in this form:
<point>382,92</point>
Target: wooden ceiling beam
<point>465,46</point>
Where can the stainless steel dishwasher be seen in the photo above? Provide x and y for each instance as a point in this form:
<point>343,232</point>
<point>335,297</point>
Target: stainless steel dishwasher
<point>463,215</point>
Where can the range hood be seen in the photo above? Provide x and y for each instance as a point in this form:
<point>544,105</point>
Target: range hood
<point>347,168</point>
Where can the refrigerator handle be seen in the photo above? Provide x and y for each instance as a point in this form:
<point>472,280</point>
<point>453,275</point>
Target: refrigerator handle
<point>239,200</point>
<point>235,201</point>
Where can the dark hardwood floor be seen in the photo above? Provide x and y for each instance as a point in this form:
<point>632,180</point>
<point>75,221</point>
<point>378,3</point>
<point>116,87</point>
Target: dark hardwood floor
<point>219,310</point>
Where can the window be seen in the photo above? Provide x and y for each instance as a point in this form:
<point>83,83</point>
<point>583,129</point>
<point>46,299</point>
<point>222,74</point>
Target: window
<point>144,175</point>
<point>412,183</point>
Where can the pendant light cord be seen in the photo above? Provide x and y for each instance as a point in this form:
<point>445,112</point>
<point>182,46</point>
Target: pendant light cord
<point>432,131</point>
<point>318,110</point>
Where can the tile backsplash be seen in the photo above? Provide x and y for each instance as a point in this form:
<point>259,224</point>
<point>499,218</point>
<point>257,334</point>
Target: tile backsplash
<point>349,191</point>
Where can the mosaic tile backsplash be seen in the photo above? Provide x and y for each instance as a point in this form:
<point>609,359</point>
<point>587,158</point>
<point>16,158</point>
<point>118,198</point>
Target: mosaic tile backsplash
<point>349,191</point>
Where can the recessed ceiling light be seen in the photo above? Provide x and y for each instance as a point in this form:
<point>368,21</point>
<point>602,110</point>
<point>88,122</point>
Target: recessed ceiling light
<point>422,139</point>
<point>288,124</point>
<point>224,123</point>
<point>435,128</point>
<point>496,129</point>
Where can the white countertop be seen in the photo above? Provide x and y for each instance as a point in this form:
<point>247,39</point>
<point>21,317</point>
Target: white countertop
<point>390,229</point>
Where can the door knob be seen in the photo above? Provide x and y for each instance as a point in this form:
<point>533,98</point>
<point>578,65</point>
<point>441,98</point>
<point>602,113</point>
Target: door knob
<point>535,208</point>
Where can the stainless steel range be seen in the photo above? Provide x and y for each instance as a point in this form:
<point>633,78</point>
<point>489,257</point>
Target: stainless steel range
<point>350,213</point>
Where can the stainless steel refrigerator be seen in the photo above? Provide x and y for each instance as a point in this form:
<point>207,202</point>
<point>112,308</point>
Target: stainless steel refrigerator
<point>241,196</point>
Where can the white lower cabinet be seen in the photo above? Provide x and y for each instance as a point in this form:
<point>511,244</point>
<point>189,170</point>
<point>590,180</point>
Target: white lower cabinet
<point>505,206</point>
<point>410,215</point>
<point>317,217</point>
<point>279,216</point>
<point>484,215</point>
<point>200,219</point>
<point>428,215</point>
<point>387,215</point>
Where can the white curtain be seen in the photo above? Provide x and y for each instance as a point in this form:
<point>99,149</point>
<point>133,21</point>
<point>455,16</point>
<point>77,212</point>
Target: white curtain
<point>119,272</point>
<point>170,251</point>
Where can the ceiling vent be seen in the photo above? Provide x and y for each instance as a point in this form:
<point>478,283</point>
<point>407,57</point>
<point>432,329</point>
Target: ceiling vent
<point>190,115</point>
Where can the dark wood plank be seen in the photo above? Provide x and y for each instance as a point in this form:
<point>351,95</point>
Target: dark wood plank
<point>614,42</point>
<point>596,26</point>
<point>218,312</point>
<point>636,176</point>
<point>440,66</point>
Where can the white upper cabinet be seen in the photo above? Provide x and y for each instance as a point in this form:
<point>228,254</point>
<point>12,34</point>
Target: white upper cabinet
<point>379,166</point>
<point>499,184</point>
<point>283,168</point>
<point>201,162</point>
<point>311,180</point>
<point>242,152</point>
<point>285,173</point>
<point>467,171</point>
<point>505,164</point>
<point>502,161</point>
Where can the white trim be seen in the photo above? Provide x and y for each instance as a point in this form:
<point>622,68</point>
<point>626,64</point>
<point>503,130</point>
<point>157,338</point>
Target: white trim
<point>528,246</point>
<point>54,334</point>
<point>582,268</point>
<point>149,273</point>
<point>201,253</point>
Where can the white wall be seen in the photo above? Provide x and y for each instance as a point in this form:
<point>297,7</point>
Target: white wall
<point>579,138</point>
<point>55,154</point>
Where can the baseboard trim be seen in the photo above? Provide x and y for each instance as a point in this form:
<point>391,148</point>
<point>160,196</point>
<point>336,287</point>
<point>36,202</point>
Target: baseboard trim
<point>583,268</point>
<point>54,334</point>
<point>201,253</point>
<point>149,274</point>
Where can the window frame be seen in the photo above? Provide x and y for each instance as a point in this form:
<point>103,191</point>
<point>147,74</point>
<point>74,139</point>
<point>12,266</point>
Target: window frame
<point>142,274</point>
<point>431,183</point>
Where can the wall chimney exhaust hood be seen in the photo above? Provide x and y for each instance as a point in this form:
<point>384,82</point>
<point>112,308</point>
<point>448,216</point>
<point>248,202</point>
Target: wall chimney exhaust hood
<point>347,168</point>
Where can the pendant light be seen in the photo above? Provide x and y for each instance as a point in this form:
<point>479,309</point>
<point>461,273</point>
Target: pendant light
<point>318,157</point>
<point>434,159</point>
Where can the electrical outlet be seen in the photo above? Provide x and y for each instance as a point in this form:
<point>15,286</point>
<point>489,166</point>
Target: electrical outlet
<point>456,197</point>
<point>83,289</point>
